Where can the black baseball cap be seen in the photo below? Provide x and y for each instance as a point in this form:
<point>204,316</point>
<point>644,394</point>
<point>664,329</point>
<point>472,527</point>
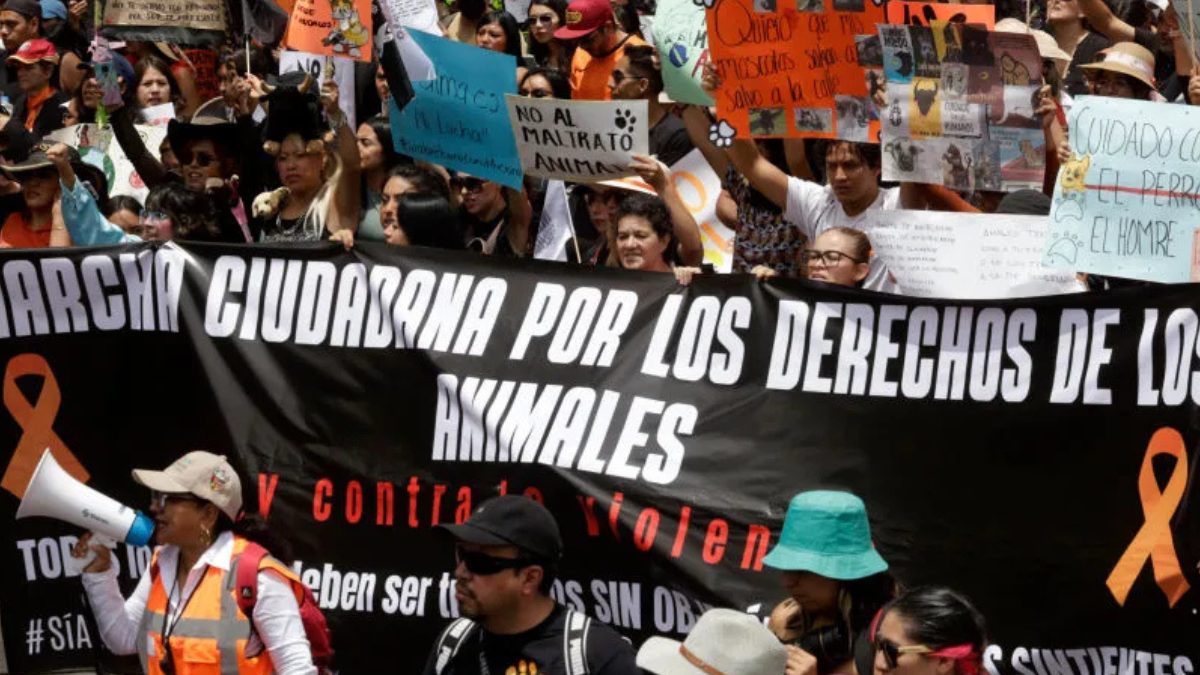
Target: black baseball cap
<point>512,520</point>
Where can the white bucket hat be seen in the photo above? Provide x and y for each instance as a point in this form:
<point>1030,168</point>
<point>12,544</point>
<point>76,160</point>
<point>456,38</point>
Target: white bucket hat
<point>723,642</point>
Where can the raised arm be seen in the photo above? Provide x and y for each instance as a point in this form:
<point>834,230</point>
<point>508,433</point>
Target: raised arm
<point>698,122</point>
<point>1105,22</point>
<point>687,232</point>
<point>764,176</point>
<point>346,204</point>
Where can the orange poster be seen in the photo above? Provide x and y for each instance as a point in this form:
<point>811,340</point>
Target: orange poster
<point>332,28</point>
<point>925,13</point>
<point>793,69</point>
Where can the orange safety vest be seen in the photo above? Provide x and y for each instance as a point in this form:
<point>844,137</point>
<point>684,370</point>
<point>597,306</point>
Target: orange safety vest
<point>210,637</point>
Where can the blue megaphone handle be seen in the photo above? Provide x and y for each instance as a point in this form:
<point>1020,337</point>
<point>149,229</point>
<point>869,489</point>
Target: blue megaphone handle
<point>141,531</point>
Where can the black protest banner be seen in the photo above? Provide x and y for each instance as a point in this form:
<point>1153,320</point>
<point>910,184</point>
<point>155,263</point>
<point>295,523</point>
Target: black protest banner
<point>196,22</point>
<point>1034,454</point>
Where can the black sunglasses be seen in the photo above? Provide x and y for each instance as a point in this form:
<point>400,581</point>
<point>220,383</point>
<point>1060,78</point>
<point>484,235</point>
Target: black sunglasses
<point>468,184</point>
<point>537,93</point>
<point>201,158</point>
<point>892,651</point>
<point>544,19</point>
<point>483,565</point>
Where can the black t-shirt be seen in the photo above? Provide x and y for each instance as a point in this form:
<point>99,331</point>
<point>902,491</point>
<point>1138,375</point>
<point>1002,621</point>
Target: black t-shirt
<point>1085,54</point>
<point>669,140</point>
<point>541,646</point>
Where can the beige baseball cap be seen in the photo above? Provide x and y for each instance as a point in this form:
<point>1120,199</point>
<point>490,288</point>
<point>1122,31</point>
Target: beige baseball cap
<point>199,473</point>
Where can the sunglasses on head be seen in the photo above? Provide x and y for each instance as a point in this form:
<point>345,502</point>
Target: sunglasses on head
<point>892,651</point>
<point>482,564</point>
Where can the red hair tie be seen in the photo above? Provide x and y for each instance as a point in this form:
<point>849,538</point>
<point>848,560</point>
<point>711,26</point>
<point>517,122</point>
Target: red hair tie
<point>967,657</point>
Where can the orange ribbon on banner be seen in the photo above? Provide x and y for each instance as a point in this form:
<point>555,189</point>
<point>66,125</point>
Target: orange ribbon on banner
<point>1154,539</point>
<point>37,425</point>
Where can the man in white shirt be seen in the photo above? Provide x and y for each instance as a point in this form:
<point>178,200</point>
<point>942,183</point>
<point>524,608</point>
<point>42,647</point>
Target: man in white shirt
<point>852,194</point>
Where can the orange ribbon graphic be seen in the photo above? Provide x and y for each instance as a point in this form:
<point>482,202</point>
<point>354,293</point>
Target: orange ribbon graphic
<point>37,424</point>
<point>1154,539</point>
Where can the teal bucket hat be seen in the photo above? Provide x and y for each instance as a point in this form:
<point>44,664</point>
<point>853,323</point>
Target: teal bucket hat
<point>826,533</point>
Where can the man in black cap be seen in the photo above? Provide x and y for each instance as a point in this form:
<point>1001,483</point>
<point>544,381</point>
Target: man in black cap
<point>20,21</point>
<point>507,554</point>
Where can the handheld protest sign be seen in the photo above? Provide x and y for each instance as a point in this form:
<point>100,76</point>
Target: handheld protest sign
<point>794,70</point>
<point>960,108</point>
<point>196,22</point>
<point>322,68</point>
<point>578,140</point>
<point>1126,203</point>
<point>459,119</point>
<point>927,13</point>
<point>332,28</point>
<point>681,36</point>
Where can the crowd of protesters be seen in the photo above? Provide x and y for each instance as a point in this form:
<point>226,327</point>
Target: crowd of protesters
<point>845,613</point>
<point>231,171</point>
<point>256,157</point>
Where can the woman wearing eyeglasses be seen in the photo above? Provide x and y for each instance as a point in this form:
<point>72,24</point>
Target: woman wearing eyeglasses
<point>545,17</point>
<point>544,83</point>
<point>929,631</point>
<point>183,617</point>
<point>840,256</point>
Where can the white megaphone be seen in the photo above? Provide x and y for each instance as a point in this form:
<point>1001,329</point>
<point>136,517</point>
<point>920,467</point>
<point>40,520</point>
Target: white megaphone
<point>54,493</point>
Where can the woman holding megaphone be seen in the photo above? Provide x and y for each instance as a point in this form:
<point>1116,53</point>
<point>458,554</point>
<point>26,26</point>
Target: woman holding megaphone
<point>183,618</point>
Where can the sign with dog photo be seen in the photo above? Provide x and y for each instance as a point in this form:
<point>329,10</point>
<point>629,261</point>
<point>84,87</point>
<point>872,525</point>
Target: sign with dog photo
<point>960,107</point>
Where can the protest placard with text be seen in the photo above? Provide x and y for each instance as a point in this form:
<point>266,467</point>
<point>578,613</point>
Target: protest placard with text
<point>578,140</point>
<point>418,14</point>
<point>966,255</point>
<point>458,120</point>
<point>321,68</point>
<point>332,27</point>
<point>681,36</point>
<point>792,68</point>
<point>1128,202</point>
<point>197,22</point>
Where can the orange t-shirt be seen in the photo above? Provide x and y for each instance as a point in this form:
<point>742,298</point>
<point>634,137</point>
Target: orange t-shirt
<point>589,75</point>
<point>19,233</point>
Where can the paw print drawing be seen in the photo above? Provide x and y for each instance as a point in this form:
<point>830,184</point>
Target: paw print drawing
<point>706,3</point>
<point>522,668</point>
<point>625,120</point>
<point>721,134</point>
<point>1066,249</point>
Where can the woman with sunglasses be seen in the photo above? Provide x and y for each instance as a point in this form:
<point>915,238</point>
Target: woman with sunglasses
<point>184,617</point>
<point>929,631</point>
<point>836,579</point>
<point>544,83</point>
<point>840,256</point>
<point>545,17</point>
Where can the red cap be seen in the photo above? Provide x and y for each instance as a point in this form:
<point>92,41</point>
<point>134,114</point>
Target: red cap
<point>583,17</point>
<point>34,51</point>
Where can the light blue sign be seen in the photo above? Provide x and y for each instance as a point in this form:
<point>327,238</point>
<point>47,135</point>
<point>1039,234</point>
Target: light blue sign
<point>1128,202</point>
<point>460,120</point>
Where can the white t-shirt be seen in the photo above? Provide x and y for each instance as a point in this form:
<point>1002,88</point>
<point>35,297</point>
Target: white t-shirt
<point>814,209</point>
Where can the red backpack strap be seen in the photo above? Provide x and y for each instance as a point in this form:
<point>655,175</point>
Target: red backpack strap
<point>247,577</point>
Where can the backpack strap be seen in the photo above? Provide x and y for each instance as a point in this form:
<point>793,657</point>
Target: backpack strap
<point>575,642</point>
<point>451,640</point>
<point>247,578</point>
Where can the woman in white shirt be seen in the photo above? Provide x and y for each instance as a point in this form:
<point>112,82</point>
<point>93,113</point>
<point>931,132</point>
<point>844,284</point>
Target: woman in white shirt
<point>183,618</point>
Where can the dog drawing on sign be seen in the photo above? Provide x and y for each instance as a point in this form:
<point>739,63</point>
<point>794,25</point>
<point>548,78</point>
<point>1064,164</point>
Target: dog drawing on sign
<point>348,35</point>
<point>904,152</point>
<point>1073,176</point>
<point>956,174</point>
<point>1033,158</point>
